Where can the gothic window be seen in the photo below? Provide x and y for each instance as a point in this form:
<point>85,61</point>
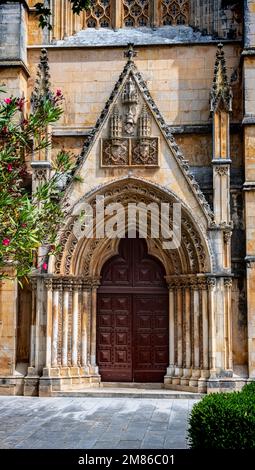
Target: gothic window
<point>136,13</point>
<point>174,12</point>
<point>99,15</point>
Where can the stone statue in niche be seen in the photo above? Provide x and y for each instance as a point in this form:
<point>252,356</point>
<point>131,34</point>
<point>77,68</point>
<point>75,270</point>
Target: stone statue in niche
<point>130,99</point>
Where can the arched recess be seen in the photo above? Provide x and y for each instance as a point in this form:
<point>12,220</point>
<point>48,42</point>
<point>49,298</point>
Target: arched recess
<point>74,280</point>
<point>85,256</point>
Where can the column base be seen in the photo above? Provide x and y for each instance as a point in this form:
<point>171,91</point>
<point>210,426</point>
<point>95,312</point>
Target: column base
<point>177,375</point>
<point>186,377</point>
<point>196,374</point>
<point>202,381</point>
<point>31,385</point>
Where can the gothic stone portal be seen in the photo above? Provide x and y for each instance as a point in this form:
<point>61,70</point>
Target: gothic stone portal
<point>132,325</point>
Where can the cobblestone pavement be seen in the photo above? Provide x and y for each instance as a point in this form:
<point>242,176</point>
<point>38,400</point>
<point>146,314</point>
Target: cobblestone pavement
<point>93,423</point>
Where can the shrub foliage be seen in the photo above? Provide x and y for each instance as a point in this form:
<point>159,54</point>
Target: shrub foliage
<point>224,421</point>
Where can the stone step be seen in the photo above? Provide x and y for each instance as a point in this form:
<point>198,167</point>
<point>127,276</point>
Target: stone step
<point>107,392</point>
<point>146,386</point>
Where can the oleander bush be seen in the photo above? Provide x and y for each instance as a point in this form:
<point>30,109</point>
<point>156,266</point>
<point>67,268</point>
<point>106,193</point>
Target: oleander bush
<point>224,421</point>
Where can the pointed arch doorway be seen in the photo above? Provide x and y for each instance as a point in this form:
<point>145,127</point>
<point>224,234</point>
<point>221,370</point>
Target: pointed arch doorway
<point>132,311</point>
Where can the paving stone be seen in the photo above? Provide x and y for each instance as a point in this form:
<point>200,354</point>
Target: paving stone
<point>85,423</point>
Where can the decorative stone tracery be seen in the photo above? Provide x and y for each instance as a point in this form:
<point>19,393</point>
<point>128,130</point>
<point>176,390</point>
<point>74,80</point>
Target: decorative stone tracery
<point>174,12</point>
<point>136,13</point>
<point>99,14</point>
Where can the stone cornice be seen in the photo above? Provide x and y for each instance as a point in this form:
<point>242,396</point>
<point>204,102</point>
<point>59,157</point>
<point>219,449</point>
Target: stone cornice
<point>248,120</point>
<point>212,42</point>
<point>176,130</point>
<point>249,51</point>
<point>249,186</point>
<point>14,63</point>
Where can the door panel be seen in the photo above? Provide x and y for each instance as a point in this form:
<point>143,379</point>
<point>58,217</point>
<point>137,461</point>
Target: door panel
<point>114,353</point>
<point>132,324</point>
<point>150,334</point>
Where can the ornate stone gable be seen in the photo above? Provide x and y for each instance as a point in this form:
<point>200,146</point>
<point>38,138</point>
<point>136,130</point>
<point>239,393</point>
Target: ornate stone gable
<point>128,132</point>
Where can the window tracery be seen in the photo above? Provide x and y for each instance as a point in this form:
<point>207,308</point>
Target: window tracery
<point>174,12</point>
<point>136,13</point>
<point>99,15</point>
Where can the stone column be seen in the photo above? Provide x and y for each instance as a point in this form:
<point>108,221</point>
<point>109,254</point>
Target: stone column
<point>48,285</point>
<point>187,338</point>
<point>94,287</point>
<point>33,326</point>
<point>67,289</point>
<point>84,329</point>
<point>75,318</point>
<point>202,383</point>
<point>179,332</point>
<point>228,326</point>
<point>212,327</point>
<point>249,186</point>
<point>196,336</point>
<point>57,286</point>
<point>171,368</point>
<point>251,316</point>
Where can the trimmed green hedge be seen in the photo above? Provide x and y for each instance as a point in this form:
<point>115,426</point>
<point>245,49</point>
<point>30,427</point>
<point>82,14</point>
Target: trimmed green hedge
<point>224,421</point>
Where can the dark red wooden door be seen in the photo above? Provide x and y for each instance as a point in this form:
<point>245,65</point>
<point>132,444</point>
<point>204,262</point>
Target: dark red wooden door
<point>132,324</point>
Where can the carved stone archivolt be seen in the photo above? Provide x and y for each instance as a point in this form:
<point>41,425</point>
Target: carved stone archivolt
<point>83,257</point>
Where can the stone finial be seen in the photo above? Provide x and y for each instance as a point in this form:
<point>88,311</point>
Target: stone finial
<point>42,82</point>
<point>130,53</point>
<point>221,93</point>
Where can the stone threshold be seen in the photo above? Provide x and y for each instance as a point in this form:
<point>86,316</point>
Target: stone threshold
<point>128,392</point>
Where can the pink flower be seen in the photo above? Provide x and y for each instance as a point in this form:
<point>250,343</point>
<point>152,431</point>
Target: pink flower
<point>20,103</point>
<point>9,167</point>
<point>6,242</point>
<point>23,225</point>
<point>8,100</point>
<point>45,266</point>
<point>58,92</point>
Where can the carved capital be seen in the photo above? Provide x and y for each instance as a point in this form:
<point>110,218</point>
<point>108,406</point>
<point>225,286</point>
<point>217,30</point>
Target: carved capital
<point>228,282</point>
<point>48,283</point>
<point>222,170</point>
<point>77,284</point>
<point>227,237</point>
<point>202,283</point>
<point>250,262</point>
<point>211,281</point>
<point>67,284</point>
<point>57,284</point>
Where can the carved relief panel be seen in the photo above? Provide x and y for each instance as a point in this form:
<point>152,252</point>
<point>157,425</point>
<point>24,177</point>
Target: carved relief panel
<point>130,142</point>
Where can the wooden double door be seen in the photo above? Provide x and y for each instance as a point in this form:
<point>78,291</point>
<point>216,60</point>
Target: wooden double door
<point>132,317</point>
